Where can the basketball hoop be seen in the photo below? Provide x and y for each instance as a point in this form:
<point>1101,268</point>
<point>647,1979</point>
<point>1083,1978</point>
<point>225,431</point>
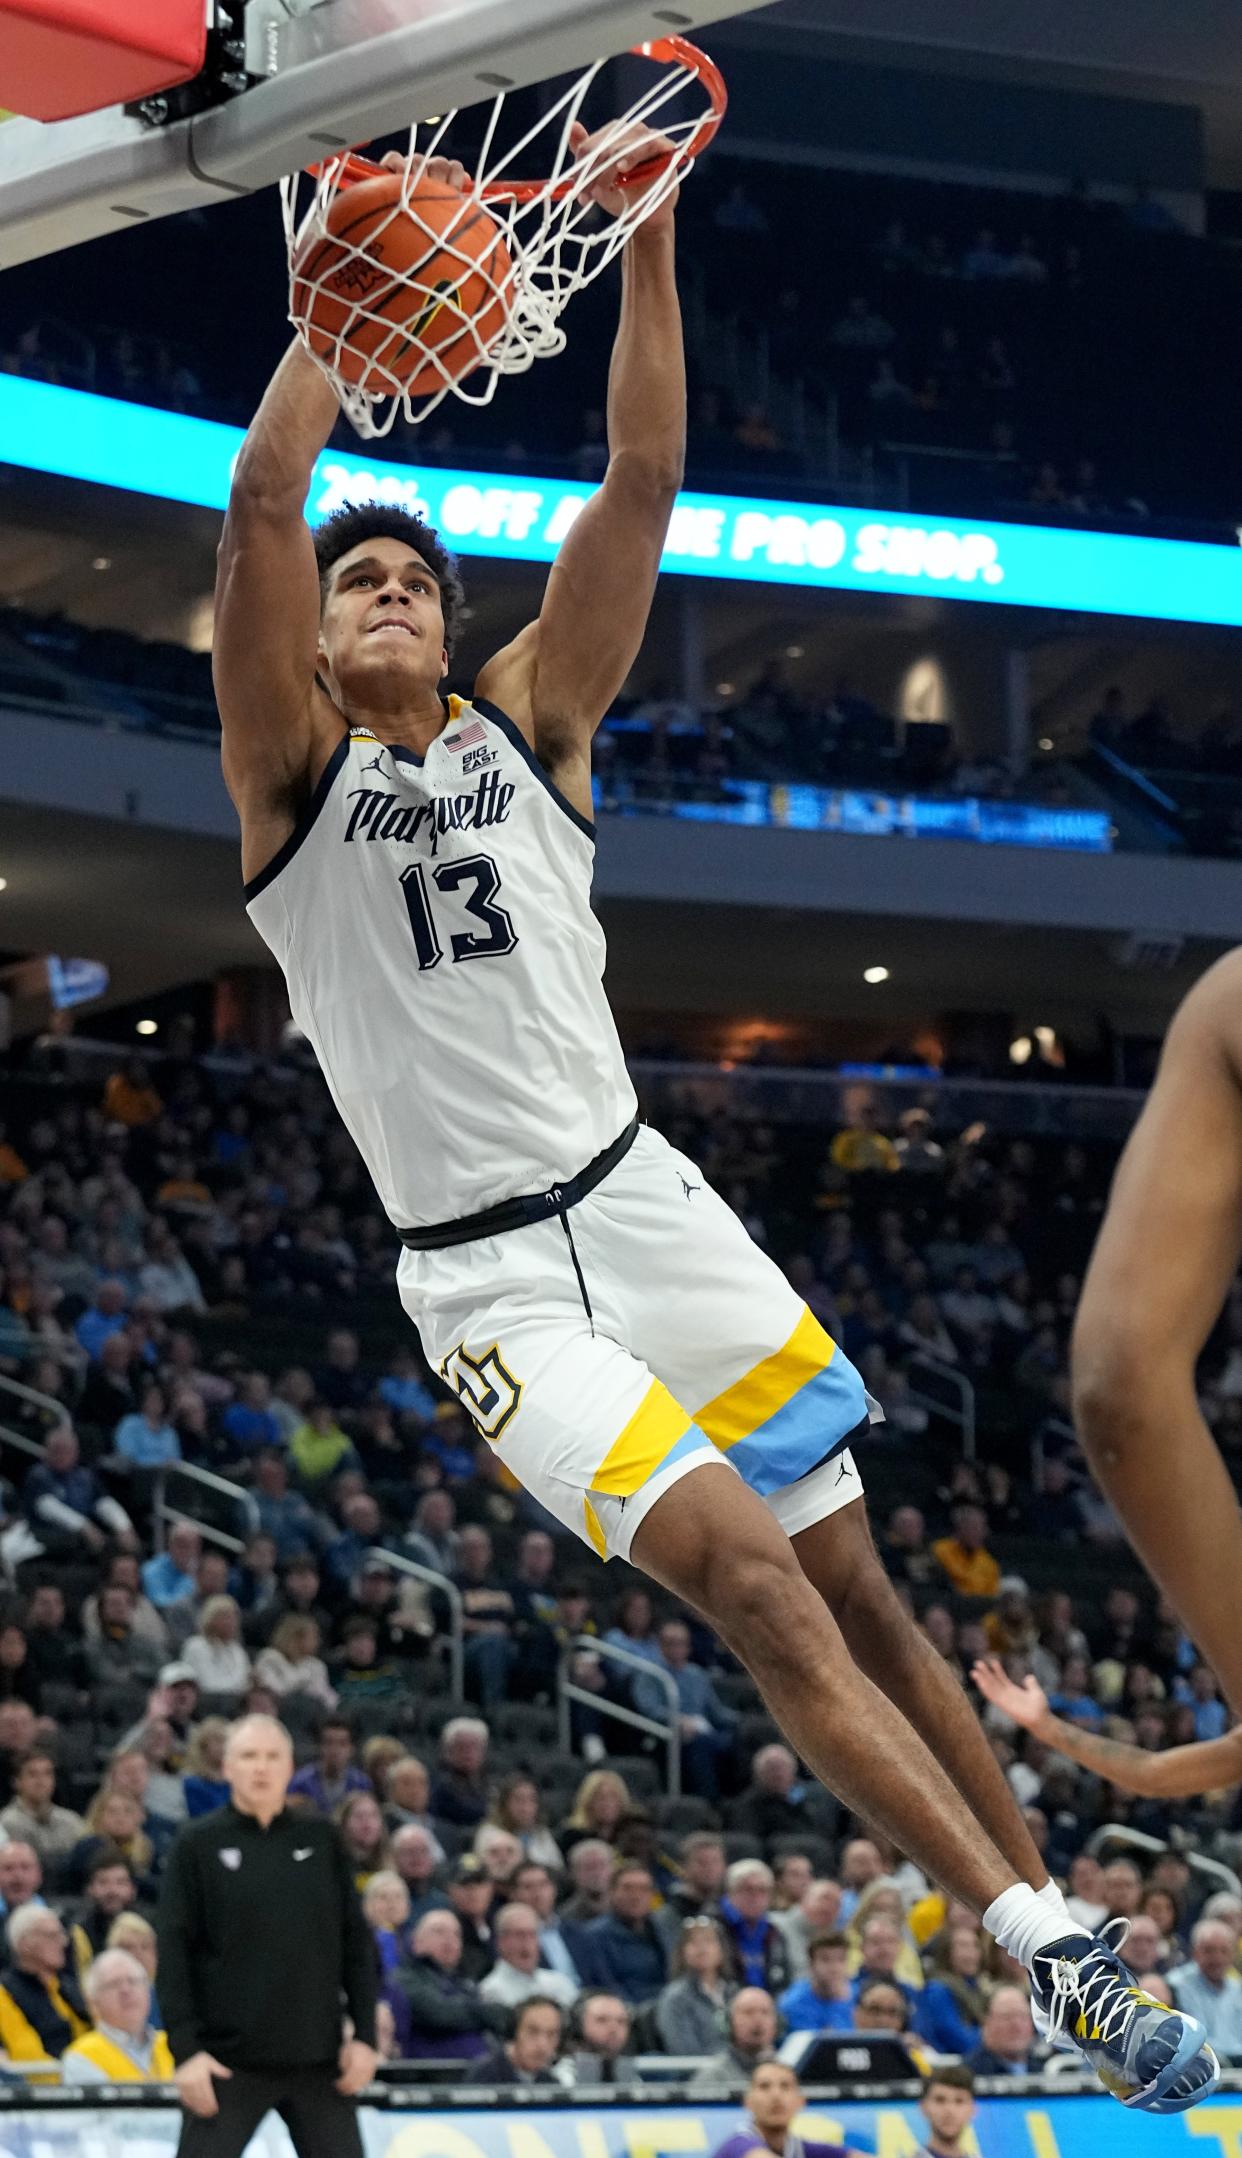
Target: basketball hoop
<point>403,302</point>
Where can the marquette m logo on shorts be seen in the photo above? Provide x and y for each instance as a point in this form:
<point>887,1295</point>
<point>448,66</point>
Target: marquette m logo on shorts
<point>489,1392</point>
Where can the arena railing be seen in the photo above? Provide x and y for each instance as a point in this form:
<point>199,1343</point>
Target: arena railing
<point>1116,1835</point>
<point>962,1410</point>
<point>568,1691</point>
<point>790,1094</point>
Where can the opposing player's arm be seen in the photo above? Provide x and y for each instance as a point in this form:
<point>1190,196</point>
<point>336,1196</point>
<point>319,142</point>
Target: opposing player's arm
<point>1181,1772</point>
<point>267,583</point>
<point>560,678</point>
<point>1166,1255</point>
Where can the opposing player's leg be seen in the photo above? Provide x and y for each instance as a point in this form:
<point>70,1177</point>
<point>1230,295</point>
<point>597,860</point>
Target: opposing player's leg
<point>839,1559</point>
<point>718,1547</point>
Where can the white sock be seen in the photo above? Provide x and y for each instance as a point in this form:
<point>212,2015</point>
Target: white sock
<point>1055,1900</point>
<point>1024,1922</point>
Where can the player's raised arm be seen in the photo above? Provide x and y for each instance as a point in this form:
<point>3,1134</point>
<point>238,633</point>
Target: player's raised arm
<point>561,683</point>
<point>1166,1255</point>
<point>267,584</point>
<point>1180,1772</point>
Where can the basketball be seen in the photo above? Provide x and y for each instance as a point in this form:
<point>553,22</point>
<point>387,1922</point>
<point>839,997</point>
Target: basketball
<point>378,294</point>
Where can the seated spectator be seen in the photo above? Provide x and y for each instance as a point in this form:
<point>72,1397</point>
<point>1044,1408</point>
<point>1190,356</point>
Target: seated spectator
<point>448,2019</point>
<point>416,1859</point>
<point>950,2009</point>
<point>386,1908</point>
<point>624,1950</point>
<point>1145,1946</point>
<point>691,2012</point>
<point>291,1662</point>
<point>861,1148</point>
<point>590,1867</point>
<point>532,1883</point>
<point>599,2037</point>
<point>32,1817</point>
<point>757,1946</point>
<point>206,1786</point>
<point>882,2006</point>
<point>119,1652</point>
<point>903,1549</point>
<point>517,1973</point>
<point>1208,1986</point>
<point>778,1802</point>
<point>824,1999</point>
<point>751,2039</point>
<point>635,1629</point>
<point>364,1836</point>
<point>707,1726</point>
<point>21,1877</point>
<point>170,1577</point>
<point>407,1796</point>
<point>432,1540</point>
<point>489,1615</point>
<point>459,1790</point>
<point>602,1799</point>
<point>319,1450</point>
<point>861,1865</point>
<point>879,1950</point>
<point>41,2006</point>
<point>328,1780</point>
<point>362,1531</point>
<point>256,1583</point>
<point>773,2101</point>
<point>147,1440</point>
<point>110,1889</point>
<point>697,1890</point>
<point>970,1567</point>
<point>215,1653</point>
<point>67,1510</point>
<point>530,2055</point>
<point>123,2047</point>
<point>136,1934</point>
<point>405,1390</point>
<point>284,1515</point>
<point>517,1807</point>
<point>104,1316</point>
<point>248,1423</point>
<point>51,1650</point>
<point>818,1911</point>
<point>114,1825</point>
<point>1007,2039</point>
<point>471,1895</point>
<point>1073,1698</point>
<point>365,1673</point>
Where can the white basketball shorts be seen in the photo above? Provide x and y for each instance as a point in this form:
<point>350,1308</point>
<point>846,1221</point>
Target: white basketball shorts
<point>607,1352</point>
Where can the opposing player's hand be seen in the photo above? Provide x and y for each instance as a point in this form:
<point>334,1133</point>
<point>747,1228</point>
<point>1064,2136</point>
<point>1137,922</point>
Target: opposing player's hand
<point>1026,1704</point>
<point>357,2064</point>
<point>449,171</point>
<point>628,149</point>
<point>195,2081</point>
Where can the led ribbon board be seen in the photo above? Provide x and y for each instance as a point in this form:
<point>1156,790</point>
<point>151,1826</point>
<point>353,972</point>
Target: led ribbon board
<point>750,539</point>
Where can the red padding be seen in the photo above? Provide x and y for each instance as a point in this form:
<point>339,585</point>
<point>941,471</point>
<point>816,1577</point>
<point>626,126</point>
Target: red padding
<point>59,58</point>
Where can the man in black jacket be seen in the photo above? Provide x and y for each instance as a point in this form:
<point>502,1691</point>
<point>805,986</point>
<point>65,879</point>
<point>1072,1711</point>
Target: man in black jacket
<point>448,2018</point>
<point>261,1936</point>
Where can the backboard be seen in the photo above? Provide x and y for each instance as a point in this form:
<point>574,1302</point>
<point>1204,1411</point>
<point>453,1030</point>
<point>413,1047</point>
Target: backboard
<point>326,74</point>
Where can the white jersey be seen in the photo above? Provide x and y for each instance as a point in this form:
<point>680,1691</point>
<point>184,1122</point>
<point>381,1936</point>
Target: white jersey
<point>433,920</point>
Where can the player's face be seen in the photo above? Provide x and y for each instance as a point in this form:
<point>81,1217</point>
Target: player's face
<point>383,624</point>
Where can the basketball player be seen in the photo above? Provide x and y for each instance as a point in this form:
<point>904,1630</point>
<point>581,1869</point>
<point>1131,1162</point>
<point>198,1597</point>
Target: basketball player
<point>1166,1255</point>
<point>1178,1772</point>
<point>422,869</point>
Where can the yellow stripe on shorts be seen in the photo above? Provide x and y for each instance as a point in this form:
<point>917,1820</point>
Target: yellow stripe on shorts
<point>594,1528</point>
<point>654,1428</point>
<point>750,1401</point>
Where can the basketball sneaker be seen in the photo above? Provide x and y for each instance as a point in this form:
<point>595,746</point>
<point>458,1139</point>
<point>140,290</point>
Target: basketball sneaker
<point>1153,2058</point>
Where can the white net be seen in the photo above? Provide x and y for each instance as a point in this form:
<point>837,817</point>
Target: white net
<point>440,297</point>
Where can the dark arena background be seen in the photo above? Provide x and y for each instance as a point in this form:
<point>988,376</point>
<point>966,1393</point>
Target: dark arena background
<point>918,816</point>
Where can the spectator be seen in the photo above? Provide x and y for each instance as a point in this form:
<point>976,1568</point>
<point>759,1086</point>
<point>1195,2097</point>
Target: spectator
<point>970,1567</point>
<point>880,1951</point>
<point>417,1858</point>
<point>861,1865</point>
<point>33,1818</point>
<point>1007,2040</point>
<point>248,1423</point>
<point>602,1799</point>
<point>624,1951</point>
<point>517,1807</point>
<point>291,1662</point>
<point>517,1973</point>
<point>41,2006</point>
<point>1121,1884</point>
<point>691,2011</point>
<point>951,2007</point>
<point>66,1508</point>
<point>407,1393</point>
<point>206,1785</point>
<point>51,1650</point>
<point>824,2000</point>
<point>284,1515</point>
<point>319,1450</point>
<point>707,1726</point>
<point>903,1549</point>
<point>530,2054</point>
<point>21,1877</point>
<point>364,1673</point>
<point>635,1629</point>
<point>110,1889</point>
<point>760,1955</point>
<point>778,1803</point>
<point>215,1653</point>
<point>1208,1986</point>
<point>115,1831</point>
<point>104,1316</point>
<point>147,1440</point>
<point>697,1890</point>
<point>471,1894</point>
<point>590,1866</point>
<point>948,2107</point>
<point>432,1540</point>
<point>328,1780</point>
<point>169,1577</point>
<point>129,1098</point>
<point>448,2019</point>
<point>386,1908</point>
<point>533,1884</point>
<point>364,1836</point>
<point>773,2101</point>
<point>124,2046</point>
<point>882,2006</point>
<point>861,1148</point>
<point>751,2028</point>
<point>489,1614</point>
<point>407,1798</point>
<point>458,1791</point>
<point>818,1911</point>
<point>347,1553</point>
<point>119,1651</point>
<point>599,2033</point>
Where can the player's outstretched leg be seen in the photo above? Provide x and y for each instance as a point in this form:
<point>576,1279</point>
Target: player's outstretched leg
<point>715,1545</point>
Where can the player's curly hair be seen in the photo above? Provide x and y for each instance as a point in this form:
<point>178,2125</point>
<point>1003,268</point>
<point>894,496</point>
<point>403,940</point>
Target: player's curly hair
<point>354,522</point>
